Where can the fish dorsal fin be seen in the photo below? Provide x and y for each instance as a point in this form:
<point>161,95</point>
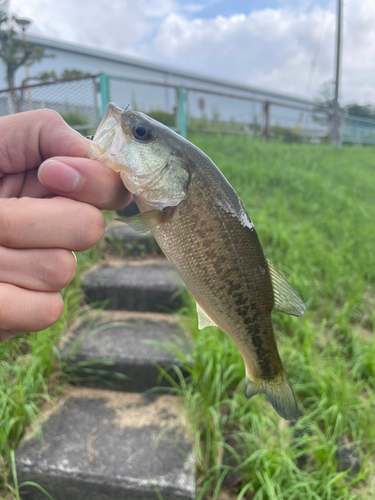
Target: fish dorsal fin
<point>285,297</point>
<point>203,319</point>
<point>145,222</point>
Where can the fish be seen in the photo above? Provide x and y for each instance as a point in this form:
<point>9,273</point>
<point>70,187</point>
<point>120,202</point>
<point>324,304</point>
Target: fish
<point>201,225</point>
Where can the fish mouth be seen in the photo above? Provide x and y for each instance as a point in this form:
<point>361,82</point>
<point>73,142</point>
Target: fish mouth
<point>109,136</point>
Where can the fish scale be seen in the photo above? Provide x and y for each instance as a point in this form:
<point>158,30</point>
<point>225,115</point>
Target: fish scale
<point>202,227</point>
<point>236,306</point>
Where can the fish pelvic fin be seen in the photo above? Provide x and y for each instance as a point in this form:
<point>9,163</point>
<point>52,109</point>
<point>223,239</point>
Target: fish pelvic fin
<point>286,298</point>
<point>144,223</point>
<point>279,393</point>
<point>203,319</point>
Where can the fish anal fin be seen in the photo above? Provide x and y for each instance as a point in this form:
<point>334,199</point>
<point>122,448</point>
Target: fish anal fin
<point>145,222</point>
<point>285,298</point>
<point>279,393</point>
<point>203,319</point>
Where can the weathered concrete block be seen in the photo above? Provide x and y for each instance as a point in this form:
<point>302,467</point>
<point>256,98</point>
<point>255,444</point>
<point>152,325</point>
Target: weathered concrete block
<point>123,339</point>
<point>137,286</point>
<point>105,445</point>
<point>122,240</point>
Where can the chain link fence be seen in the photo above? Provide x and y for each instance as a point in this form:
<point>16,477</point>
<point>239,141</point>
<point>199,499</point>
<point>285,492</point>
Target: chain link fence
<point>358,130</point>
<point>76,100</point>
<point>184,108</point>
<point>229,114</point>
<point>150,98</point>
<point>82,102</point>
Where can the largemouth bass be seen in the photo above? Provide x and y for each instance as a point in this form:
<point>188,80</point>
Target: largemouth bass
<point>203,228</point>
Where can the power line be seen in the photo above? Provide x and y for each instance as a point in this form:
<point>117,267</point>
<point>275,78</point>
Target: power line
<point>370,4</point>
<point>314,60</point>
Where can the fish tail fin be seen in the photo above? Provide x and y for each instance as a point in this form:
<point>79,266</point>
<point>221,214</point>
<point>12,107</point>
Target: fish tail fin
<point>279,393</point>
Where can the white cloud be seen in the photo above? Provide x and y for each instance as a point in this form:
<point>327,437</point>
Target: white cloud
<point>268,47</point>
<point>119,25</point>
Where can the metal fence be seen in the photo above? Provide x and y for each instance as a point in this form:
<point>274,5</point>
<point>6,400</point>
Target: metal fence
<point>228,113</point>
<point>187,108</point>
<point>76,100</point>
<point>357,130</point>
<point>82,102</point>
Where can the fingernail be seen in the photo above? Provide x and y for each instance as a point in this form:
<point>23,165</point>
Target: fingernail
<point>58,176</point>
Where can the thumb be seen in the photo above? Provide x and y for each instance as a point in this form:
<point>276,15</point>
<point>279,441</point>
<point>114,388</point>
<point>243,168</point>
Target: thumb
<point>84,180</point>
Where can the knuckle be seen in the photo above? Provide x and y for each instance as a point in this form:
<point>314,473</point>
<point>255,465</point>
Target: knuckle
<point>59,270</point>
<point>8,229</point>
<point>53,312</point>
<point>47,115</point>
<point>93,226</point>
<point>5,298</point>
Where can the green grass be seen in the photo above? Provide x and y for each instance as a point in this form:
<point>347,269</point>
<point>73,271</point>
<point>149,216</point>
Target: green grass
<point>314,211</point>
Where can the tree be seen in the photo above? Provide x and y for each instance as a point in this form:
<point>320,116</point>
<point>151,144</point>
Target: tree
<point>366,111</point>
<point>73,74</point>
<point>324,103</point>
<point>51,76</point>
<point>16,52</point>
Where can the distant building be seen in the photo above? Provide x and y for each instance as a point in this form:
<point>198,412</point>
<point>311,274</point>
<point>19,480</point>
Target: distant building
<point>72,56</point>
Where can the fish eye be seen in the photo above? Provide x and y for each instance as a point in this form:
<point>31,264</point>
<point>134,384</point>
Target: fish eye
<point>143,131</point>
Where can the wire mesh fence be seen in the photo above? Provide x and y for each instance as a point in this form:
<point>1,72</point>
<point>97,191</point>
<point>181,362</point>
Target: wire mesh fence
<point>82,102</point>
<point>219,113</point>
<point>156,100</point>
<point>193,109</point>
<point>76,100</point>
<point>358,130</point>
<point>215,112</point>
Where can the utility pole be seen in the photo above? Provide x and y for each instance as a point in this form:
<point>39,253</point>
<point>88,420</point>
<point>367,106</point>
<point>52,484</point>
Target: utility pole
<point>336,118</point>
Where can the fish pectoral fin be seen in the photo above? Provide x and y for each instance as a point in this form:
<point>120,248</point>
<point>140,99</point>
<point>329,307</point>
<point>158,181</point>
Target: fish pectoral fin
<point>144,223</point>
<point>203,319</point>
<point>285,298</point>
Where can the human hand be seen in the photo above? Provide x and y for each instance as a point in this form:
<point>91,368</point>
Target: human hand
<point>41,156</point>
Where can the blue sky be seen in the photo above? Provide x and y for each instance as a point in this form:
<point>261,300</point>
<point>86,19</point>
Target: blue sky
<point>213,8</point>
<point>265,43</point>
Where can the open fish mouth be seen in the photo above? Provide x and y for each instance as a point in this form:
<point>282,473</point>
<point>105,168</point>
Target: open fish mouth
<point>109,138</point>
<point>108,127</point>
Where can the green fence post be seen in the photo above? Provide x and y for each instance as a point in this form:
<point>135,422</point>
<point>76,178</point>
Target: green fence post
<point>181,111</point>
<point>104,92</point>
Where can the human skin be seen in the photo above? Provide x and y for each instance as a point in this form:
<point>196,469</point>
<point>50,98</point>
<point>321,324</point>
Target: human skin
<point>50,201</point>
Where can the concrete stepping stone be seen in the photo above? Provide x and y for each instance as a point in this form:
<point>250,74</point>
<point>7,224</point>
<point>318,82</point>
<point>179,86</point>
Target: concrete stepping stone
<point>119,343</point>
<point>123,240</point>
<point>150,286</point>
<point>106,445</point>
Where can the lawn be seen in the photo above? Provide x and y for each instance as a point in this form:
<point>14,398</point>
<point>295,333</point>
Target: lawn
<point>314,210</point>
